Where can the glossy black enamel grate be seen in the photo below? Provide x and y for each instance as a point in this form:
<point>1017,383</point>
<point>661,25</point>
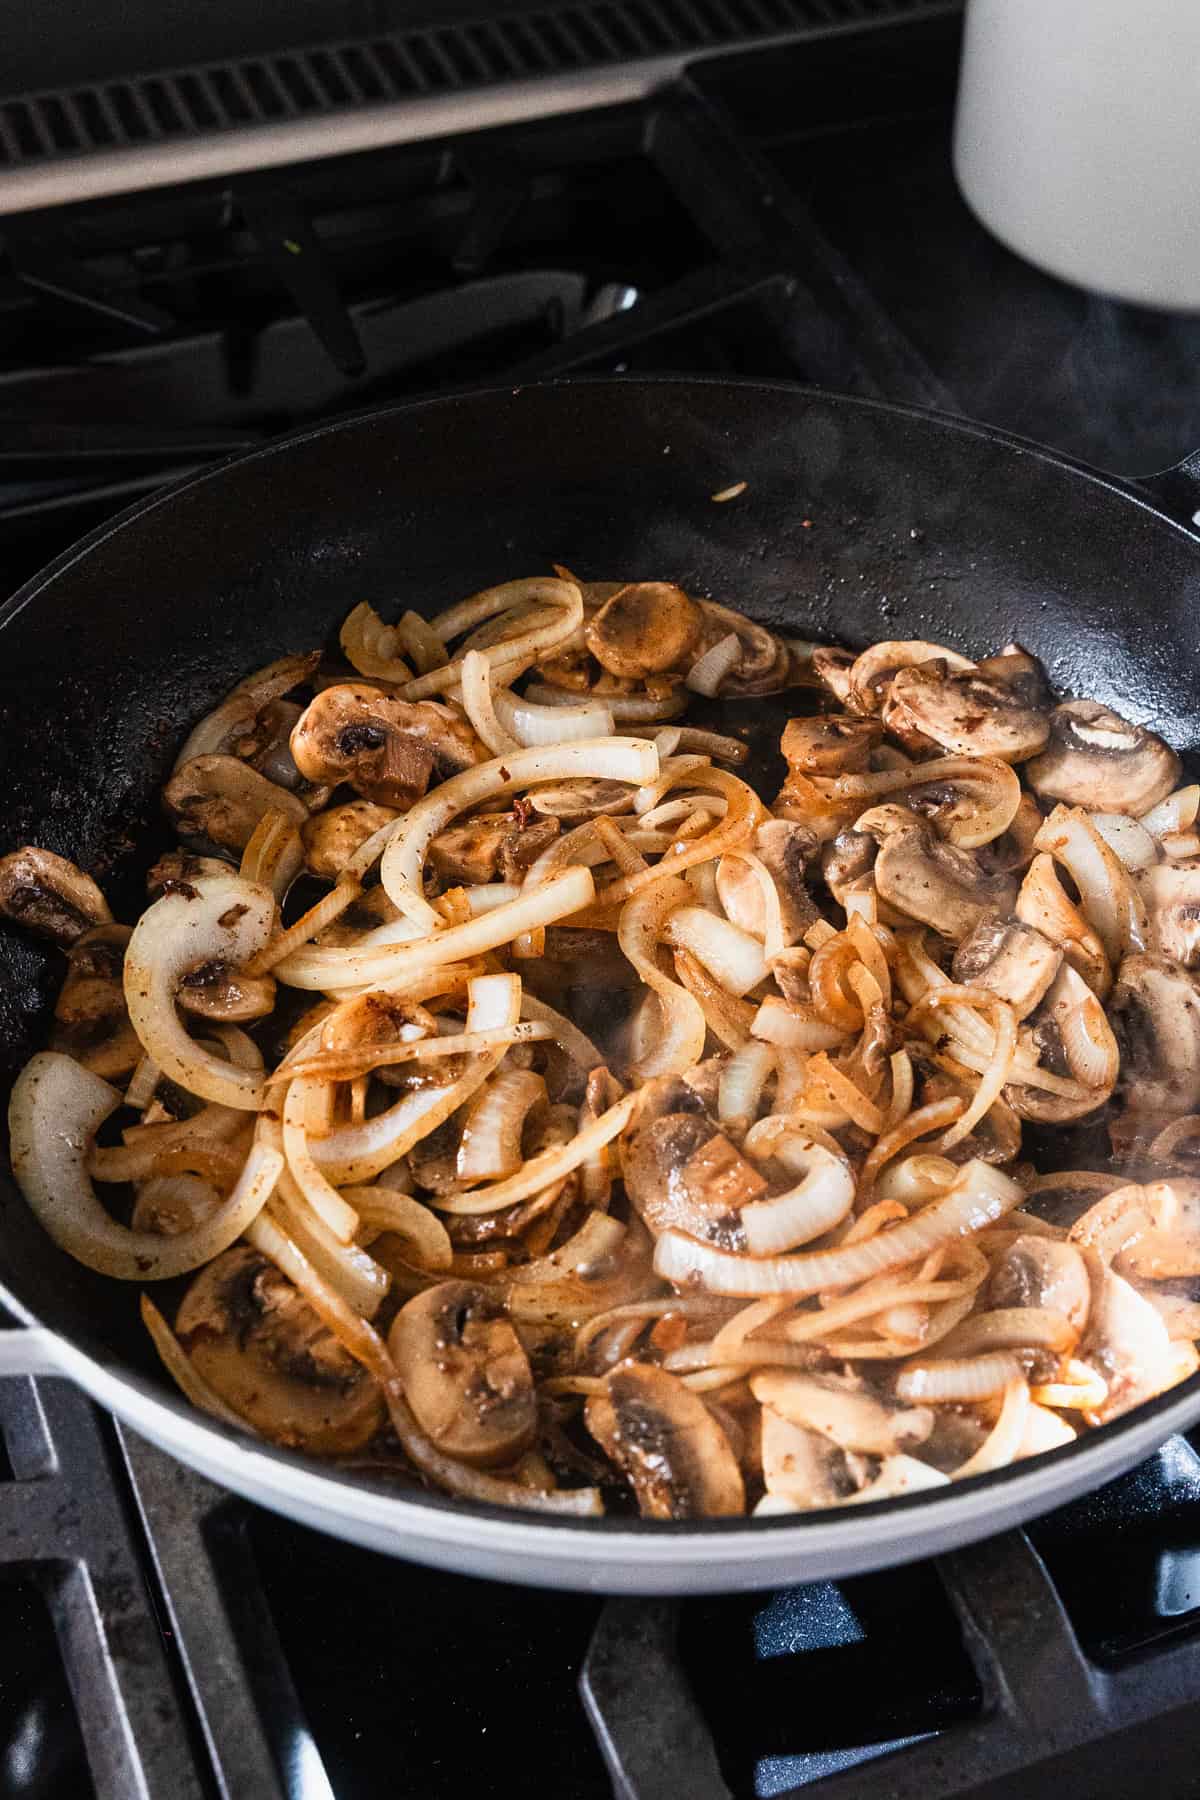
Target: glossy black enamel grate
<point>790,214</point>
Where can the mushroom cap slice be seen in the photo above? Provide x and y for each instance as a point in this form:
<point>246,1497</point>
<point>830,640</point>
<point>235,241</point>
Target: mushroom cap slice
<point>384,747</point>
<point>873,672</point>
<point>465,1373</point>
<point>1097,759</point>
<point>830,743</point>
<point>217,991</point>
<point>941,886</point>
<point>843,1411</point>
<point>1073,1036</point>
<point>46,894</point>
<point>832,665</point>
<point>178,870</point>
<point>675,1455</point>
<point>256,1340</point>
<point>645,628</point>
<point>1171,892</point>
<point>1154,1009</point>
<point>330,838</point>
<point>91,1021</point>
<point>1042,1271</point>
<point>219,800</point>
<point>967,714</point>
<point>1008,958</point>
<point>683,1174</point>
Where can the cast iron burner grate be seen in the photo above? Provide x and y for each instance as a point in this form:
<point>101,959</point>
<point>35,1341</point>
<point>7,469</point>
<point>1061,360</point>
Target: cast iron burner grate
<point>196,1636</point>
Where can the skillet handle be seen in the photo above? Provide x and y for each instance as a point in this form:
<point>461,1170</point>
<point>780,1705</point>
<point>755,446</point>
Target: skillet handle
<point>30,1350</point>
<point>1175,491</point>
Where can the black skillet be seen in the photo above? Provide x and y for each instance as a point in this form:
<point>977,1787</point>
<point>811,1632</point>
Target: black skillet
<point>857,522</point>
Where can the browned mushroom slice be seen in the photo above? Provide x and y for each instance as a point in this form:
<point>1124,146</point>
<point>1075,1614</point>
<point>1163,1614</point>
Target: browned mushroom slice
<point>764,663</point>
<point>216,991</point>
<point>386,748</point>
<point>847,859</point>
<point>784,849</point>
<point>645,628</point>
<point>967,714</point>
<point>1099,760</point>
<point>1171,892</point>
<point>493,845</point>
<point>682,1174</point>
<point>259,1344</point>
<point>830,743</point>
<point>832,665</point>
<point>1013,850</point>
<point>465,1373</point>
<point>177,870</point>
<point>874,672</point>
<point>582,798</point>
<point>48,895</point>
<point>671,1449</point>
<point>801,1467</point>
<point>330,838</point>
<point>1021,671</point>
<point>90,1020</point>
<point>237,727</point>
<point>219,800</point>
<point>1154,1009</point>
<point>1009,959</point>
<point>843,1410</point>
<point>1042,1271</point>
<point>943,887</point>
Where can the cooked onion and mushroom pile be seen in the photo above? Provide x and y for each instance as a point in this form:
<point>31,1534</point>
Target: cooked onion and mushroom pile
<point>514,1100</point>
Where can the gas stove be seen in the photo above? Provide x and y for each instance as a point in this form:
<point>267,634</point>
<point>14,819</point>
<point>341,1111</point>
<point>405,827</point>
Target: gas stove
<point>754,187</point>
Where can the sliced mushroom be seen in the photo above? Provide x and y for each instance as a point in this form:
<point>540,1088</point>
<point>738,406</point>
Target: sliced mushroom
<point>874,671</point>
<point>842,1410</point>
<point>1043,904</point>
<point>1013,850</point>
<point>832,665</point>
<point>1170,1249</point>
<point>1044,1272</point>
<point>784,849</point>
<point>492,845</point>
<point>764,664</point>
<point>1021,671</point>
<point>217,991</point>
<point>1010,959</point>
<point>219,800</point>
<point>801,1466</point>
<point>90,1018</point>
<point>830,743</point>
<point>259,1344</point>
<point>681,1173</point>
<point>177,870</point>
<point>48,895</point>
<point>967,714</point>
<point>331,838</point>
<point>582,798</point>
<point>1127,1342</point>
<point>846,860</point>
<point>943,887</point>
<point>1171,892</point>
<point>1154,1009</point>
<point>645,628</point>
<point>235,728</point>
<point>386,748</point>
<point>465,1373</point>
<point>668,1444</point>
<point>1097,759</point>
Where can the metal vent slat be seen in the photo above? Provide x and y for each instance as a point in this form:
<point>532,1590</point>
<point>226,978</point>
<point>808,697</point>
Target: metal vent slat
<point>362,69</point>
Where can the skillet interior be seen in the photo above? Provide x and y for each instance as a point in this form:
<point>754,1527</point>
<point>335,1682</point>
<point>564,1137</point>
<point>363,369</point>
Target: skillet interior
<point>858,522</point>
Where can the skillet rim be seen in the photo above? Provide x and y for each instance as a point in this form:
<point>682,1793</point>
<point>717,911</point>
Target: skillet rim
<point>1182,1400</point>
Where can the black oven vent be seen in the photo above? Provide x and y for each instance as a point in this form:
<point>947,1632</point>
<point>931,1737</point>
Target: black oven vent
<point>437,62</point>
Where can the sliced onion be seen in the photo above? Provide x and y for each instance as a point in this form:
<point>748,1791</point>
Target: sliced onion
<point>390,967</point>
<point>328,908</point>
<point>1014,1328</point>
<point>220,919</point>
<point>1176,813</point>
<point>625,709</point>
<point>899,1475</point>
<point>1127,839</point>
<point>959,1378</point>
<point>528,642</point>
<point>479,706</point>
<point>386,1209</point>
<point>1109,898</point>
<point>142,1083</point>
<point>1002,1443</point>
<point>530,723</point>
<point>239,709</point>
<point>733,956</point>
<point>1088,1042</point>
<point>567,1036</point>
<point>55,1111</point>
<point>274,854</point>
<point>682,1026</point>
<point>405,842</point>
<point>302,1108</point>
<point>979,1197</point>
<point>821,1201</point>
<point>795,1026</point>
<point>709,671</point>
<point>493,1123</point>
<point>742,817</point>
<point>728,1019</point>
<point>547,1167</point>
<point>370,646</point>
<point>991,794</point>
<point>417,637</point>
<point>743,1079</point>
<point>355,1275</point>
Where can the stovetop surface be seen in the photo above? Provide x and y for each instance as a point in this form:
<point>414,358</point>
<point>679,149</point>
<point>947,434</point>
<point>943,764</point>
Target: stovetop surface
<point>140,337</point>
